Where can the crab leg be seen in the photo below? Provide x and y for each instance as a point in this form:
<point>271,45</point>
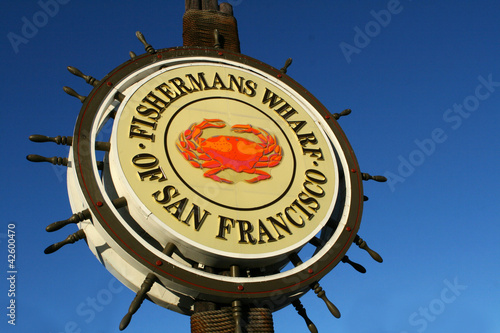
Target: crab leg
<point>262,175</point>
<point>249,129</point>
<point>188,155</point>
<point>268,141</point>
<point>268,164</point>
<point>213,174</point>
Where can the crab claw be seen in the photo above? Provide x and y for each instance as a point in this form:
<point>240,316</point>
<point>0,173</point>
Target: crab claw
<point>244,128</point>
<point>206,123</point>
<point>213,174</point>
<point>261,176</point>
<point>196,129</point>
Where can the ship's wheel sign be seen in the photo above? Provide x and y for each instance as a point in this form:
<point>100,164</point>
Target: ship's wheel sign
<point>219,172</point>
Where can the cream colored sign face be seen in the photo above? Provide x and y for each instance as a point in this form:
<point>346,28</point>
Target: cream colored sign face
<point>224,159</point>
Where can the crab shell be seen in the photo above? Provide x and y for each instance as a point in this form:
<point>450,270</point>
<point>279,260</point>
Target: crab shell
<point>238,154</point>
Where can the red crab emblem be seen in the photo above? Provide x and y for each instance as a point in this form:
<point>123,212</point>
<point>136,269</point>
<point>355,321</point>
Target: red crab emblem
<point>222,152</point>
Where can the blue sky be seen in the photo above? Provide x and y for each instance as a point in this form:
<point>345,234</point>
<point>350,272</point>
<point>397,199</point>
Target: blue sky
<point>423,80</point>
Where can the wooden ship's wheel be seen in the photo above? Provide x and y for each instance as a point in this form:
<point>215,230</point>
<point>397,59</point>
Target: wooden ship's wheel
<point>225,187</point>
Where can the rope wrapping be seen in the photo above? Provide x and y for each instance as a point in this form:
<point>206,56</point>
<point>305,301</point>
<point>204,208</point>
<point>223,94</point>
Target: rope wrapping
<point>256,320</point>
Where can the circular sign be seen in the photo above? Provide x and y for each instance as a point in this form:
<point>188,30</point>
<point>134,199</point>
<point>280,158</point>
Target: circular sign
<point>223,160</point>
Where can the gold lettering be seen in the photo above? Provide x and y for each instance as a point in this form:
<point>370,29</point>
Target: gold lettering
<point>286,111</point>
<point>166,90</point>
<point>147,112</point>
<point>224,227</point>
<point>155,101</point>
<point>310,191</point>
<point>282,225</point>
<point>264,232</point>
<point>245,231</point>
<point>153,174</point>
<point>252,87</point>
<point>218,81</point>
<point>180,85</point>
<point>143,122</point>
<point>291,220</point>
<point>321,180</point>
<point>306,199</point>
<point>316,152</point>
<point>179,206</point>
<point>195,212</point>
<point>201,84</point>
<point>307,138</point>
<point>299,206</point>
<point>145,160</point>
<point>232,80</point>
<point>297,125</point>
<point>271,98</point>
<point>137,132</point>
<point>166,194</point>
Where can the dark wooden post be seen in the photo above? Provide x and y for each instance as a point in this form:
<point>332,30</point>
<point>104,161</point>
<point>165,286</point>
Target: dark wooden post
<point>201,19</point>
